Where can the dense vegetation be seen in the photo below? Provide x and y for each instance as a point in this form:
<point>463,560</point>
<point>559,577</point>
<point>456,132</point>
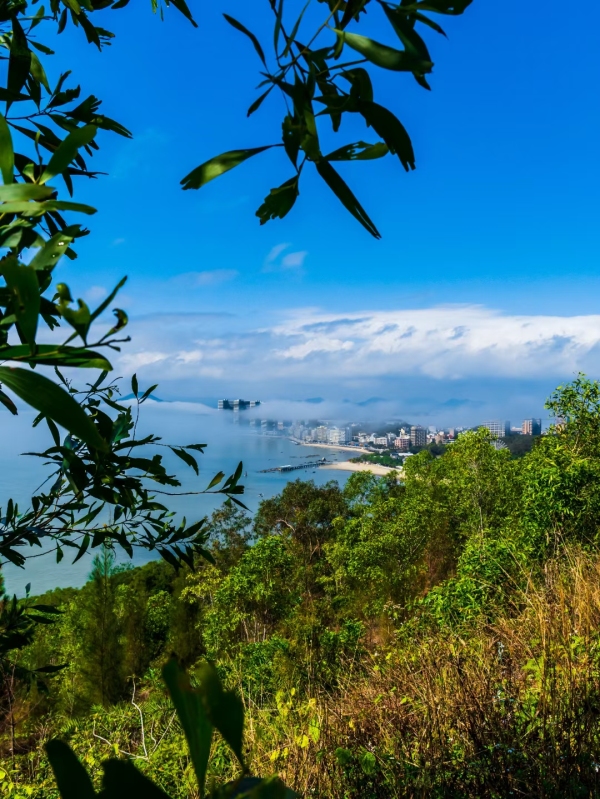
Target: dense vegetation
<point>438,637</point>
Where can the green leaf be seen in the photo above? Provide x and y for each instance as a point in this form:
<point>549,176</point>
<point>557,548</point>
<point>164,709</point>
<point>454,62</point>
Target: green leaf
<point>37,71</point>
<point>7,155</point>
<point>71,777</point>
<point>182,6</point>
<point>52,251</point>
<point>352,10</point>
<point>134,385</point>
<point>23,285</point>
<point>359,151</point>
<point>391,130</point>
<point>24,191</point>
<point>56,355</point>
<point>67,151</point>
<point>404,28</point>
<point>218,165</point>
<point>19,60</point>
<point>224,709</point>
<point>238,26</point>
<point>122,780</point>
<point>292,35</point>
<point>105,303</point>
<point>51,400</point>
<point>216,479</point>
<point>279,201</point>
<point>8,403</point>
<point>47,609</point>
<point>259,101</point>
<point>345,195</point>
<point>185,457</point>
<point>192,717</point>
<point>384,56</point>
<point>452,7</point>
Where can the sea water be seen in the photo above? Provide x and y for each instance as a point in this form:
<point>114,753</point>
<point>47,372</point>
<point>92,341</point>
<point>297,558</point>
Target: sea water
<point>178,424</point>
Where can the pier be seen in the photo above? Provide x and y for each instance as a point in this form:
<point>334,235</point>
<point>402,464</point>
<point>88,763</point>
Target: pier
<point>293,468</point>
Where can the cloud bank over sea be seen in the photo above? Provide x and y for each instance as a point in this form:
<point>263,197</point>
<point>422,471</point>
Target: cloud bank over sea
<point>457,363</point>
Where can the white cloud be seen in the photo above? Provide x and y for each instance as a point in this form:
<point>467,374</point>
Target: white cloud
<point>446,342</point>
<point>291,261</point>
<point>209,278</point>
<point>95,294</point>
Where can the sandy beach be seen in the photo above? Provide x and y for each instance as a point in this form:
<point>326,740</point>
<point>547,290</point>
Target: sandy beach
<point>330,446</point>
<point>349,466</point>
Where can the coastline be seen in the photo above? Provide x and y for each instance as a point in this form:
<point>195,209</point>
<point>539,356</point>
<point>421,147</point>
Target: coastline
<point>344,447</point>
<point>349,466</point>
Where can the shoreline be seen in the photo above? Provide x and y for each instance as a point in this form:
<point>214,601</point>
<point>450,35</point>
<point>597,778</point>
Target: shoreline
<point>349,466</point>
<point>343,447</point>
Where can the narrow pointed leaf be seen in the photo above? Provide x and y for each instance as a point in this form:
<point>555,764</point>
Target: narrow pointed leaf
<point>7,155</point>
<point>242,28</point>
<point>67,151</point>
<point>210,170</point>
<point>345,195</point>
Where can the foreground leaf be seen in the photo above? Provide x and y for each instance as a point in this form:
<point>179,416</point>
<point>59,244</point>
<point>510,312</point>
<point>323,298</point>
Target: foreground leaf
<point>192,717</point>
<point>53,401</point>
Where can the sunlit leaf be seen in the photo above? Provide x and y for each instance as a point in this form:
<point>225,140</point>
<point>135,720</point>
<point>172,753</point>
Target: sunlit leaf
<point>384,56</point>
<point>217,166</point>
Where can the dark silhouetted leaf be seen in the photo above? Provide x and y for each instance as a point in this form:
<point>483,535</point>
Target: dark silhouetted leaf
<point>122,780</point>
<point>71,777</point>
<point>238,26</point>
<point>225,710</point>
<point>279,201</point>
<point>391,130</point>
<point>192,717</point>
<point>346,197</point>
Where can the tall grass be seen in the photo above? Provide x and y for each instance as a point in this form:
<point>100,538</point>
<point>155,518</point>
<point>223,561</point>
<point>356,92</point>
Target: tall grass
<point>497,710</point>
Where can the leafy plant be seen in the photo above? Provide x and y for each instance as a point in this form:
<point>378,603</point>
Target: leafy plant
<point>201,709</point>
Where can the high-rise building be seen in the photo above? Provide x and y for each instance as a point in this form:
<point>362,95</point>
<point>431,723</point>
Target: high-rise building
<point>402,443</point>
<point>498,429</point>
<point>336,436</point>
<point>531,427</point>
<point>321,434</point>
<point>418,436</point>
<point>237,404</point>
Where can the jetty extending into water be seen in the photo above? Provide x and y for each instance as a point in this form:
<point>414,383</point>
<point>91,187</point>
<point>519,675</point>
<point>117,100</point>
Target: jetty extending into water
<point>293,467</point>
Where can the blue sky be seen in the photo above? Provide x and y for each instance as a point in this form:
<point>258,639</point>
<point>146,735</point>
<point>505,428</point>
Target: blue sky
<point>495,234</point>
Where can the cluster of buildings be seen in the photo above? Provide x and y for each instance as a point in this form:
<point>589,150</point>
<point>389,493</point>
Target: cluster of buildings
<point>501,429</point>
<point>237,405</point>
<point>404,440</point>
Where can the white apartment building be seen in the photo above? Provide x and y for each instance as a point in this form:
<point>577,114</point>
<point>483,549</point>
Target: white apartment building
<point>336,436</point>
